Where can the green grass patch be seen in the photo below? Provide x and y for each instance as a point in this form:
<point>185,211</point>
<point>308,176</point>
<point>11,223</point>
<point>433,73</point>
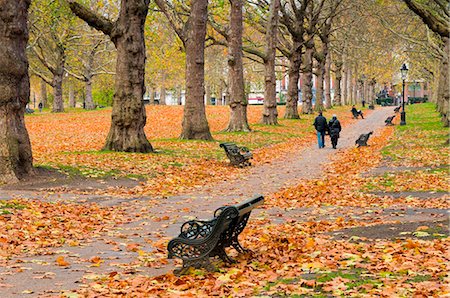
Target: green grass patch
<point>423,131</point>
<point>6,207</point>
<point>83,171</point>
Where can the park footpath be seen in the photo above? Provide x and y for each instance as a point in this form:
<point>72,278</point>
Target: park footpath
<point>156,221</point>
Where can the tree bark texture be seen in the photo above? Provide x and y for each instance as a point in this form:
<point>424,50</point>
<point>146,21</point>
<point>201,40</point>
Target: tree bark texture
<point>327,82</point>
<point>16,158</point>
<point>195,125</point>
<point>57,82</point>
<point>308,77</point>
<point>320,80</point>
<point>162,96</point>
<point>371,94</point>
<point>238,100</point>
<point>443,96</point>
<point>127,33</point>
<point>152,95</point>
<point>43,93</point>
<point>294,75</point>
<point>349,85</point>
<point>219,95</point>
<point>337,87</point>
<point>89,100</point>
<point>208,94</point>
<point>270,113</point>
<point>355,85</point>
<point>344,95</point>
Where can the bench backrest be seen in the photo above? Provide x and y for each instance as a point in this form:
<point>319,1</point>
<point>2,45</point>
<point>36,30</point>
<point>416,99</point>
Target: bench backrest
<point>229,146</point>
<point>249,205</point>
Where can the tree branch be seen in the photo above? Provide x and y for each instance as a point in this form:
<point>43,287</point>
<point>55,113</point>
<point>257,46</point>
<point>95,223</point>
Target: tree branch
<point>436,25</point>
<point>92,19</point>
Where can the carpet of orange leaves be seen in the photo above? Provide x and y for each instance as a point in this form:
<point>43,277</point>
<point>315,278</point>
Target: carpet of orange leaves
<point>302,258</point>
<point>73,140</point>
<point>31,226</point>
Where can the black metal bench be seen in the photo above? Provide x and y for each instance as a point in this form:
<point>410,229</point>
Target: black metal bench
<point>362,140</point>
<point>388,120</point>
<point>397,109</point>
<point>239,156</point>
<point>199,240</point>
<point>357,113</point>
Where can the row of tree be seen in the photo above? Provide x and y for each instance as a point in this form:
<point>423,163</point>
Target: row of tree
<point>356,42</point>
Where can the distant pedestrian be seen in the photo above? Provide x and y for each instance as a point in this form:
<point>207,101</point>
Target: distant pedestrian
<point>40,106</point>
<point>363,103</point>
<point>321,126</point>
<point>334,127</point>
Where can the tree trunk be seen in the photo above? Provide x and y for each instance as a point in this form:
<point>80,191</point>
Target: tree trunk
<point>152,95</point>
<point>344,95</point>
<point>337,87</point>
<point>43,93</point>
<point>58,103</point>
<point>208,94</point>
<point>270,113</point>
<point>355,85</point>
<point>294,74</point>
<point>128,114</point>
<point>72,100</point>
<point>371,95</point>
<point>308,77</point>
<point>349,85</point>
<point>327,82</point>
<point>162,96</point>
<point>238,100</point>
<point>16,158</point>
<point>219,95</point>
<point>180,96</point>
<point>195,125</point>
<point>443,86</point>
<point>89,100</point>
<point>227,96</point>
<point>127,33</point>
<point>320,57</point>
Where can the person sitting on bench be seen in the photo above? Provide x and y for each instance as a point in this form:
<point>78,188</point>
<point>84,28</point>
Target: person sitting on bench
<point>357,113</point>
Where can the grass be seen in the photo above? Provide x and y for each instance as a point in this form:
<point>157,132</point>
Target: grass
<point>6,207</point>
<point>354,280</point>
<point>84,171</point>
<point>419,145</point>
<point>423,133</point>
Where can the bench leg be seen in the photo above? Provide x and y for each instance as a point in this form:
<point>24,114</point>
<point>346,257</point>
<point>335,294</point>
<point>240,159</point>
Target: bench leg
<point>237,246</point>
<point>222,254</point>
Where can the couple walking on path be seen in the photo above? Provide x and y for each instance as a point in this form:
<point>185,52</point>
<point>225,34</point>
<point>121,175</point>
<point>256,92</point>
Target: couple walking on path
<point>322,127</point>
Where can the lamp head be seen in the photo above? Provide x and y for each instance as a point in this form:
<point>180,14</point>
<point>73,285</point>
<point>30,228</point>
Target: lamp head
<point>404,71</point>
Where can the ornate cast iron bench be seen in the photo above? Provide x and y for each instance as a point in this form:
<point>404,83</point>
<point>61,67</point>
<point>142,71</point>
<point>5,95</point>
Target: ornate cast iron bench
<point>199,240</point>
<point>388,120</point>
<point>239,156</point>
<point>357,113</point>
<point>362,140</point>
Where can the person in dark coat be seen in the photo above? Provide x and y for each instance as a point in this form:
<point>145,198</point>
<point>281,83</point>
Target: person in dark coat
<point>321,126</point>
<point>335,128</point>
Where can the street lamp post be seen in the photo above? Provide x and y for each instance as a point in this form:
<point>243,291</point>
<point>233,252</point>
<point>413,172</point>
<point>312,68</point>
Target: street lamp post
<point>404,72</point>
